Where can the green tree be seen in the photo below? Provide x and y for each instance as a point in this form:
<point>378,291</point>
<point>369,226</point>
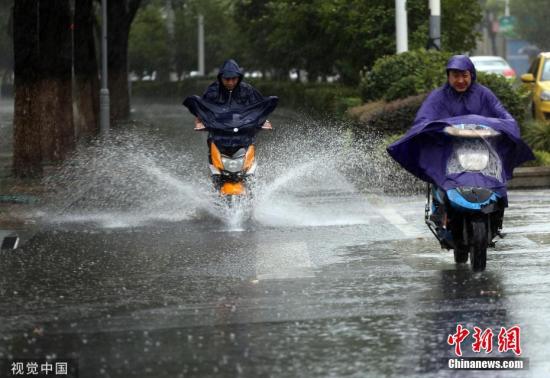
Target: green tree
<point>458,24</point>
<point>363,31</point>
<point>532,21</point>
<point>185,39</point>
<point>6,48</point>
<point>221,36</point>
<point>185,44</point>
<point>324,36</point>
<point>407,74</point>
<point>255,52</point>
<point>286,34</point>
<point>148,49</point>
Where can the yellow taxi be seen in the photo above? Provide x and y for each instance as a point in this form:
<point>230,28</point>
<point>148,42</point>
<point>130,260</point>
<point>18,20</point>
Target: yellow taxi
<point>538,78</point>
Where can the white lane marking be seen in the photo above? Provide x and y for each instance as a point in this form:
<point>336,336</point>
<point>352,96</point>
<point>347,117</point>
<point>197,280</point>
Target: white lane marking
<point>522,251</point>
<point>393,217</point>
<point>537,228</point>
<point>525,241</point>
<point>398,221</point>
<point>283,261</point>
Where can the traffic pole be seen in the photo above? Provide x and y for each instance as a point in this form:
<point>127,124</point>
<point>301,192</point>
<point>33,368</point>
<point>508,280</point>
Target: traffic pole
<point>435,24</point>
<point>401,26</point>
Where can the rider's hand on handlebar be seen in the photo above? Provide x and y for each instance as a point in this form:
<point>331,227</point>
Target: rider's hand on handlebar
<point>267,125</point>
<point>199,125</point>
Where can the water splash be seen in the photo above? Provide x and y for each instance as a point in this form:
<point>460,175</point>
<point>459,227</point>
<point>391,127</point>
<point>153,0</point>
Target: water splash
<point>136,178</point>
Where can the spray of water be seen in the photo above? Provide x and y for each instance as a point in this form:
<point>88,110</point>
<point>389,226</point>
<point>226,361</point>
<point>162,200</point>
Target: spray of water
<point>136,178</point>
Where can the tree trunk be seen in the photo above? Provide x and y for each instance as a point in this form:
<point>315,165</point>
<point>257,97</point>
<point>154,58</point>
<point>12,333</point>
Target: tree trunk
<point>43,122</point>
<point>85,70</point>
<point>120,16</point>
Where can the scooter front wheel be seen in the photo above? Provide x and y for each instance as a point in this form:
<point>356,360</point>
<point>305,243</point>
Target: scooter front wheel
<point>461,255</point>
<point>478,244</point>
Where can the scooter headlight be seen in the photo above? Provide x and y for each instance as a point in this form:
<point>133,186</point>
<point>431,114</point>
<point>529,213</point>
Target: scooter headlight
<point>473,160</point>
<point>233,165</point>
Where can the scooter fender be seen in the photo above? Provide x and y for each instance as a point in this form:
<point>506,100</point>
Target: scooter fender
<point>462,200</point>
<point>232,189</point>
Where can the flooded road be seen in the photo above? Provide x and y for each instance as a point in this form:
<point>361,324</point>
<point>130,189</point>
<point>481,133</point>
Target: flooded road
<point>136,270</point>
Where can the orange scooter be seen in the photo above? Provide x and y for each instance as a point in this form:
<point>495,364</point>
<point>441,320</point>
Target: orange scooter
<point>231,139</point>
<point>231,168</point>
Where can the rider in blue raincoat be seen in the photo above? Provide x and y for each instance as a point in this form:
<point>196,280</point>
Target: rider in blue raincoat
<point>227,101</point>
<point>230,87</point>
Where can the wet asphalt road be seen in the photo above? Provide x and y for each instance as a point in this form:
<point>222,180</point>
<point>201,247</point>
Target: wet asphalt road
<point>323,278</point>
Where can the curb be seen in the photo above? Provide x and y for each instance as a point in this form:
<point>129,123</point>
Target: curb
<point>19,198</point>
<point>530,178</point>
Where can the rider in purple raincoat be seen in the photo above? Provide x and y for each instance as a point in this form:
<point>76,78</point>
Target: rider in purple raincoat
<point>423,151</point>
<point>461,95</point>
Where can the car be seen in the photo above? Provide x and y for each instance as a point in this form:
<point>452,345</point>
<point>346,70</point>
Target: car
<point>254,74</point>
<point>538,79</point>
<point>494,64</point>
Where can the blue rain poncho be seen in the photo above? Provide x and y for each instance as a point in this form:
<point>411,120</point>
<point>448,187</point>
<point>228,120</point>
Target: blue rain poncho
<point>232,118</point>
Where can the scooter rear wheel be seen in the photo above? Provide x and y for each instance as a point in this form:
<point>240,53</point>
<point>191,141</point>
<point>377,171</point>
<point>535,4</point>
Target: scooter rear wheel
<point>478,244</point>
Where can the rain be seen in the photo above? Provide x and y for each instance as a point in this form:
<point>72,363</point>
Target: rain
<point>131,262</point>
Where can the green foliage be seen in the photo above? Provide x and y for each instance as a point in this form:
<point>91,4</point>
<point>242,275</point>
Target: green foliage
<point>323,37</point>
<point>343,36</point>
<point>6,50</point>
<point>397,115</point>
<point>320,98</point>
<point>152,48</point>
<point>392,138</point>
<point>170,90</point>
<point>344,103</point>
<point>328,98</point>
<point>458,28</point>
<point>542,158</point>
<point>537,135</point>
<point>403,75</point>
<point>393,117</point>
<point>185,44</point>
<point>460,18</point>
<point>419,72</point>
<point>532,21</point>
<point>148,45</point>
<point>222,39</point>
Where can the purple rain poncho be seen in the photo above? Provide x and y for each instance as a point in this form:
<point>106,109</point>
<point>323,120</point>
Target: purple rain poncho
<point>425,149</point>
<point>445,102</point>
